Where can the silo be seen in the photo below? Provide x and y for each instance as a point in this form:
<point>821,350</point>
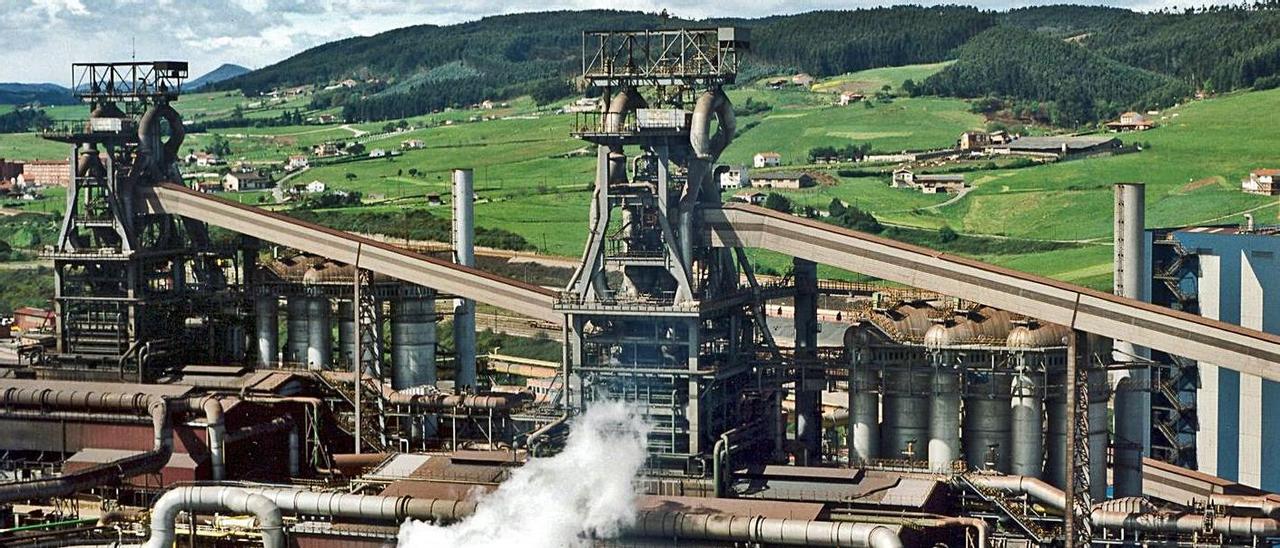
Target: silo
<point>864,397</point>
<point>346,334</point>
<point>266,313</point>
<point>319,333</point>
<point>296,331</point>
<point>944,400</point>
<point>413,338</point>
<point>1039,441</point>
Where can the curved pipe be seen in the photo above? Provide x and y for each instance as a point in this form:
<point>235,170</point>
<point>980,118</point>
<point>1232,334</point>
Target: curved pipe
<point>440,402</point>
<point>539,436</point>
<point>214,499</point>
<point>615,119</point>
<point>1261,504</point>
<point>1022,485</point>
<point>149,135</point>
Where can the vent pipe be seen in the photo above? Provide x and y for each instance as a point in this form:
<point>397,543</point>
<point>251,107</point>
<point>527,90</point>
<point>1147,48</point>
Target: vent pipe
<point>464,253</point>
<point>1132,386</point>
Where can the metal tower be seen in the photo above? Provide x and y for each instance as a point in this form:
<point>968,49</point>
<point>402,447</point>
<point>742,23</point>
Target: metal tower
<point>656,315</point>
<point>130,285</point>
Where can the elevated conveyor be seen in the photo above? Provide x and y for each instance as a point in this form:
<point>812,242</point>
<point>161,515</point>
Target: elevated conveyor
<point>516,296</point>
<point>1144,324</point>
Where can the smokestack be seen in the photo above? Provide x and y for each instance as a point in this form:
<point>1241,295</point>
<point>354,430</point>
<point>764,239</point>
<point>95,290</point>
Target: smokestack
<point>1132,386</point>
<point>464,253</point>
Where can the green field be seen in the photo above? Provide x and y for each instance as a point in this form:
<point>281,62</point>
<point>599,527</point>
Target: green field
<point>872,80</point>
<point>528,181</point>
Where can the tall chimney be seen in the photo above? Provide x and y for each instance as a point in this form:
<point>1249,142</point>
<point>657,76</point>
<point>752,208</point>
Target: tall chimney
<point>1132,386</point>
<point>464,253</point>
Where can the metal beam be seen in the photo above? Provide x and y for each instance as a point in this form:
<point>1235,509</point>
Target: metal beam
<point>446,277</point>
<point>1144,324</point>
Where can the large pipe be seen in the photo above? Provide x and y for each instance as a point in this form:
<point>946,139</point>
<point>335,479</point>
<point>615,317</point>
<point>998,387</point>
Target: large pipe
<point>267,329</point>
<point>1022,485</point>
<point>1170,522</point>
<point>762,530</point>
<point>808,391</point>
<point>160,154</point>
<point>706,150</point>
<point>1132,386</point>
<point>194,498</point>
<point>464,253</point>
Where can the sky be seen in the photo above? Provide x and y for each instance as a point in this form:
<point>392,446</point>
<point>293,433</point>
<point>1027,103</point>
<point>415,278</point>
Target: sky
<point>41,38</point>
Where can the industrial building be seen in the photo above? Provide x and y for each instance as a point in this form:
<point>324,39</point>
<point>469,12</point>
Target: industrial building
<point>288,385</point>
<point>1225,273</point>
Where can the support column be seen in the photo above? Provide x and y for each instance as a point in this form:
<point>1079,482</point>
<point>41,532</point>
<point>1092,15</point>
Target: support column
<point>1132,386</point>
<point>810,383</point>
<point>266,311</point>
<point>864,400</point>
<point>296,330</point>
<point>944,415</point>
<point>464,318</point>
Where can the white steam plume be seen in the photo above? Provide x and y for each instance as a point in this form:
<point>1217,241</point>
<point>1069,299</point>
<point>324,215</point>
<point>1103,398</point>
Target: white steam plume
<point>583,492</point>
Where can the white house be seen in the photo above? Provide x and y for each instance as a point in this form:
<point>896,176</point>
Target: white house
<point>766,159</point>
<point>297,162</point>
<point>413,144</point>
<point>245,181</point>
<point>734,177</point>
<point>315,187</point>
<point>377,153</point>
<point>754,197</point>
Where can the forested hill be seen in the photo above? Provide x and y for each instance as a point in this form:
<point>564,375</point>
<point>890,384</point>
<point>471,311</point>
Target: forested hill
<point>416,69</point>
<point>1076,84</point>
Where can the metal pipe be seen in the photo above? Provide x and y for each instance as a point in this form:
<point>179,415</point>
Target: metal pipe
<point>755,529</point>
<point>1169,522</point>
<point>295,450</point>
<point>196,498</point>
<point>1022,485</point>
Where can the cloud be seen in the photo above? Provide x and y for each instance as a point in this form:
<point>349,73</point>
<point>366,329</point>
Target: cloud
<point>43,37</point>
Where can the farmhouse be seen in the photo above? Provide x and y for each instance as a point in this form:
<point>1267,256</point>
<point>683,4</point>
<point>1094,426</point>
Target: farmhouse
<point>1058,146</point>
<point>733,177</point>
<point>974,140</point>
<point>753,197</point>
<point>413,144</point>
<point>1131,121</point>
<point>766,159</point>
<point>246,181</point>
<point>325,149</point>
<point>847,98</point>
<point>802,79</point>
<point>297,162</point>
<point>928,183</point>
<point>782,179</point>
<point>1262,181</point>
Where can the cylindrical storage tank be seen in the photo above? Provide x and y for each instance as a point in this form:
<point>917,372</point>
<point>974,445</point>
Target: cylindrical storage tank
<point>864,398</point>
<point>296,330</point>
<point>319,334</point>
<point>944,418</point>
<point>346,335</point>
<point>906,412</point>
<point>986,420</point>
<point>413,341</point>
<point>1099,431</point>
<point>1028,436</point>
<point>1055,462</point>
<point>266,314</point>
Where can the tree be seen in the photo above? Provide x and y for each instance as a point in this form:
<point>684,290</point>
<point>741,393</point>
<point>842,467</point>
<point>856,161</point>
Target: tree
<point>835,208</point>
<point>350,176</point>
<point>778,202</point>
<point>947,235</point>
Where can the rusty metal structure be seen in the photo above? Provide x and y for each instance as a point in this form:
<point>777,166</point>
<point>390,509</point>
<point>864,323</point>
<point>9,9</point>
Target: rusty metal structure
<point>969,412</point>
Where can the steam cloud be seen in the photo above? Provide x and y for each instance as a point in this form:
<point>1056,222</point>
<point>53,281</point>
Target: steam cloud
<point>583,492</point>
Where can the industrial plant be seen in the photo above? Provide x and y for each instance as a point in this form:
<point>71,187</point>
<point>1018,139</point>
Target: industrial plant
<point>225,375</point>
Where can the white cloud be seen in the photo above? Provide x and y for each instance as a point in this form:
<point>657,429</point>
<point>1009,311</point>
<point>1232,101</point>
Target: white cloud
<point>43,37</point>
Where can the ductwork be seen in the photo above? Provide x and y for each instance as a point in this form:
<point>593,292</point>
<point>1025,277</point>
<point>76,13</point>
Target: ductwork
<point>1171,522</point>
<point>1263,505</point>
<point>1022,485</point>
<point>268,502</point>
<point>77,401</point>
<point>214,499</point>
<point>149,135</point>
<point>615,119</point>
<point>706,150</point>
<point>441,401</point>
<point>770,531</point>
